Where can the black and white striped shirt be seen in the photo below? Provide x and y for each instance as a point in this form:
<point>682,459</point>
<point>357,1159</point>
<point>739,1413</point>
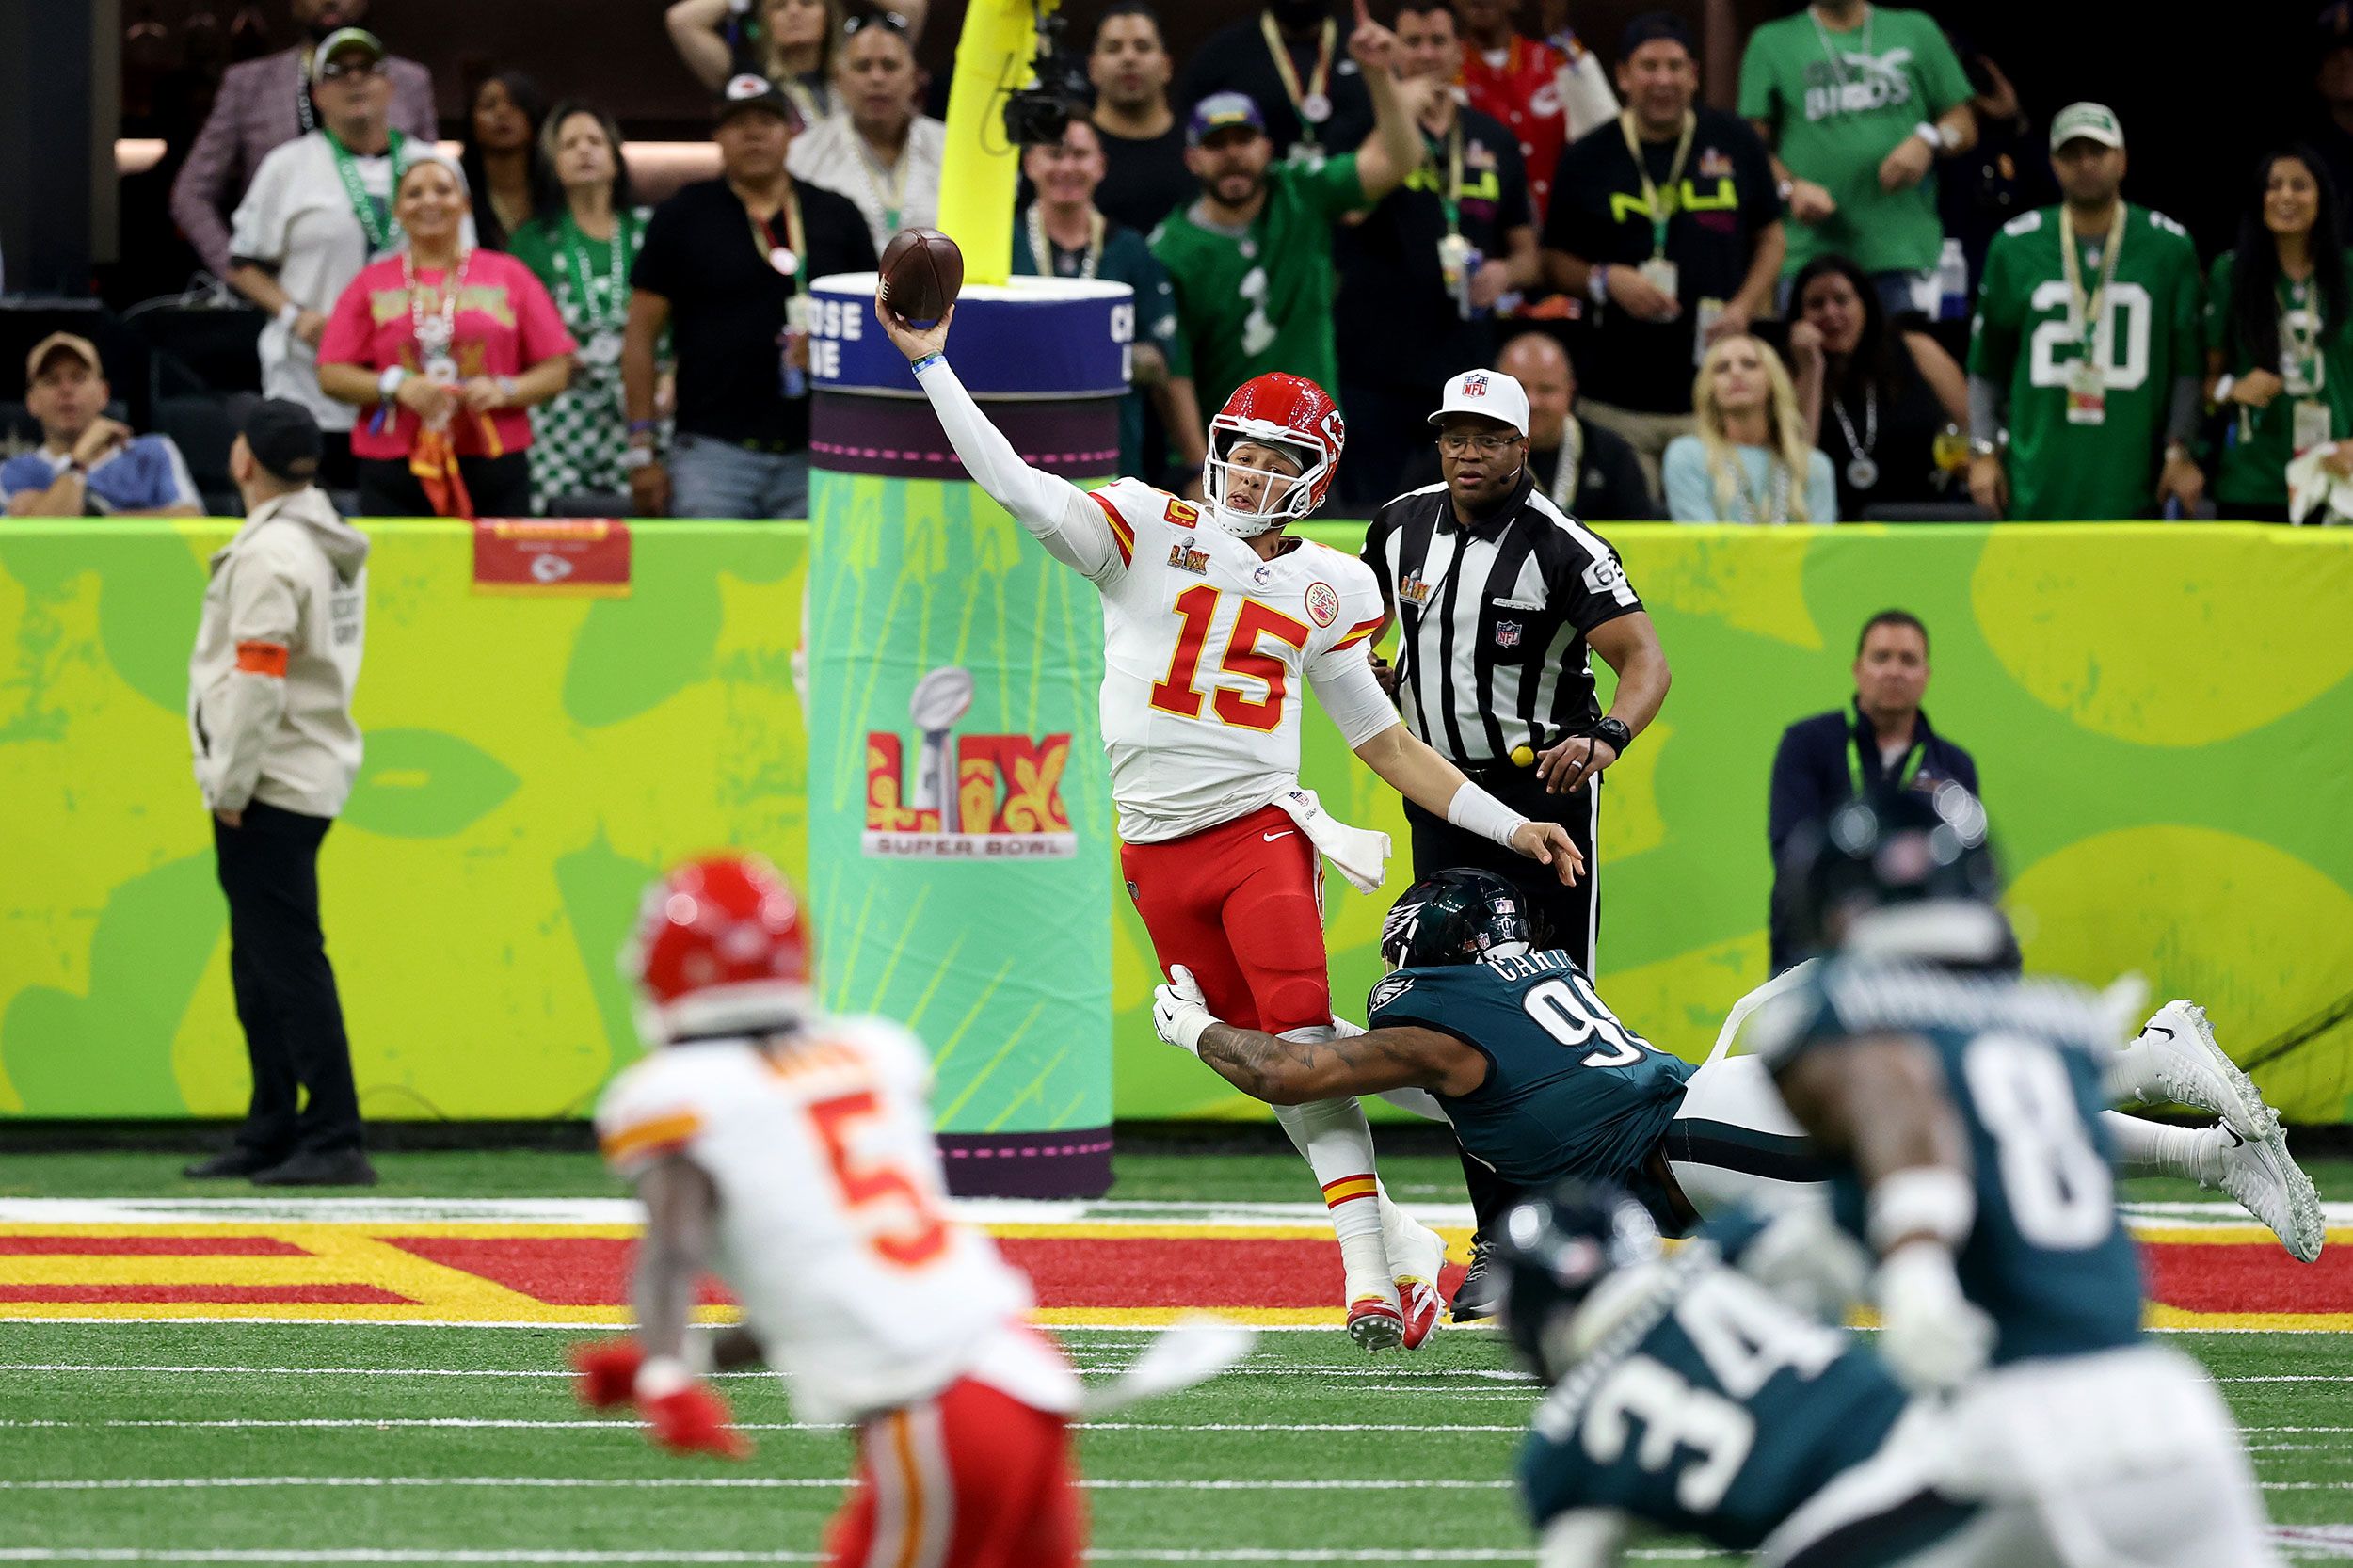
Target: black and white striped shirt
<point>1492,656</point>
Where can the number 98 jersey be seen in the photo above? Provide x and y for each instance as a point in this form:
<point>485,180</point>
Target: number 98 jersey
<point>2048,1258</point>
<point>1570,1090</point>
<point>832,1229</point>
<point>1205,647</point>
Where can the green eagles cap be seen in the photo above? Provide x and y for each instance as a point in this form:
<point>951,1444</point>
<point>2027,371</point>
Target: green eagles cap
<point>340,40</point>
<point>2087,122</point>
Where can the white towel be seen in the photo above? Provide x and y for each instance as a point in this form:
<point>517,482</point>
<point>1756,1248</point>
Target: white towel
<point>2314,494</point>
<point>1361,853</point>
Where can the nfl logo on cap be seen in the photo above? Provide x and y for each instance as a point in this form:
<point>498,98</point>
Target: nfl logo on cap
<point>1474,385</point>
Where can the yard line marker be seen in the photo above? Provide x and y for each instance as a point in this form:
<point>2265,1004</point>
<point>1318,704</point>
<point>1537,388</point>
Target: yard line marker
<point>754,1483</point>
<point>631,1428</point>
<point>1434,1376</point>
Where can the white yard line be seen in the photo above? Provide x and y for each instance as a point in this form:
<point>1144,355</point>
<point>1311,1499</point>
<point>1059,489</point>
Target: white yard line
<point>1433,1385</point>
<point>754,1483</point>
<point>630,1428</point>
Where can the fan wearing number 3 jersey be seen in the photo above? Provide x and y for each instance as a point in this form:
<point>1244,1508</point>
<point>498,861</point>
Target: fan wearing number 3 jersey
<point>1215,621</point>
<point>791,1155</point>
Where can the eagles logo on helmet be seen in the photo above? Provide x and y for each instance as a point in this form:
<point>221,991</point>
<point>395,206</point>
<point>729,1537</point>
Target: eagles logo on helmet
<point>1455,917</point>
<point>720,949</point>
<point>1291,414</point>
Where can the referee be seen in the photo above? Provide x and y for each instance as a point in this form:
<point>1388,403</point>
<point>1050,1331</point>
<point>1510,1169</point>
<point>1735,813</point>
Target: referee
<point>1499,594</point>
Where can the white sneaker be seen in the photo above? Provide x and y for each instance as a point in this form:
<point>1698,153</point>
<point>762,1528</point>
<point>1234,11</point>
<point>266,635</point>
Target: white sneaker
<point>2268,1185</point>
<point>2190,1067</point>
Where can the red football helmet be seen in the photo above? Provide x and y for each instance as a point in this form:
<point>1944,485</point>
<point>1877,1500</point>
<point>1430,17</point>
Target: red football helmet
<point>720,948</point>
<point>1291,414</point>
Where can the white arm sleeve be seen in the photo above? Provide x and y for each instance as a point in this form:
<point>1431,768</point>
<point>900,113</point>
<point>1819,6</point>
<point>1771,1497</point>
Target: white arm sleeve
<point>1343,682</point>
<point>1585,1538</point>
<point>1072,528</point>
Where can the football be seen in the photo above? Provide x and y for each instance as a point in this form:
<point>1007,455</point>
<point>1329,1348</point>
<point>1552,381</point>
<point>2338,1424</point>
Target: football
<point>921,271</point>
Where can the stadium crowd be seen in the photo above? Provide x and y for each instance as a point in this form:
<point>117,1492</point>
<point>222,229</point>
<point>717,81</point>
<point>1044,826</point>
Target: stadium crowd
<point>1855,297</point>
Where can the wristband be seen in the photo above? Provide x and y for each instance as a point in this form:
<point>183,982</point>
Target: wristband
<point>1598,284</point>
<point>1921,1200</point>
<point>927,361</point>
<point>288,314</point>
<point>507,389</point>
<point>662,1376</point>
<point>635,457</point>
<point>1787,188</point>
<point>2223,388</point>
<point>388,384</point>
<point>1474,810</point>
<point>1931,133</point>
<point>642,426</point>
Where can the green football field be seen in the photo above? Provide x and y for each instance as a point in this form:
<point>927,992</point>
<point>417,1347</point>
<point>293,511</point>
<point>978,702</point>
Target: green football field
<point>160,1441</point>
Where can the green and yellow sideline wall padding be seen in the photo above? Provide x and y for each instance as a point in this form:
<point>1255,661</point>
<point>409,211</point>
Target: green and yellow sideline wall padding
<point>2161,716</point>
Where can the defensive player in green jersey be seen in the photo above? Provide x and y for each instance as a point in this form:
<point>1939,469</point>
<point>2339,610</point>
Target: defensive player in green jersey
<point>2087,343</point>
<point>1689,1395</point>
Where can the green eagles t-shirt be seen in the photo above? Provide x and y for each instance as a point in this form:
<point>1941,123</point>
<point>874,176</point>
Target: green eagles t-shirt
<point>1838,102</point>
<point>2061,469</point>
<point>2257,443</point>
<point>1260,301</point>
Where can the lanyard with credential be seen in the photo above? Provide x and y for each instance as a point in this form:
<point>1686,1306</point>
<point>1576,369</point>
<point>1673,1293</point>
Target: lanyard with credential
<point>1312,106</point>
<point>792,257</point>
<point>1905,773</point>
<point>2087,308</point>
<point>1450,192</point>
<point>380,225</point>
<point>1661,205</point>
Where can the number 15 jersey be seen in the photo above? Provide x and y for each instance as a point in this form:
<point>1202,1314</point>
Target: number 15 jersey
<point>1205,648</point>
<point>832,1228</point>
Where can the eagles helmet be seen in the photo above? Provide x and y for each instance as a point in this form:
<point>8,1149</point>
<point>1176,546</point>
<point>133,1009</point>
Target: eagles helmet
<point>1554,1250</point>
<point>1455,917</point>
<point>1902,874</point>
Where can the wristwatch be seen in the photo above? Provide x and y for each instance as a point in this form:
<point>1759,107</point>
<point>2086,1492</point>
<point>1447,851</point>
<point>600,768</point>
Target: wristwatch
<point>1932,132</point>
<point>1597,282</point>
<point>1612,730</point>
<point>1980,447</point>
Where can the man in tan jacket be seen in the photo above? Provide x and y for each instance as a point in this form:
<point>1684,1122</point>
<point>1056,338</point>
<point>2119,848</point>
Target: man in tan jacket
<point>270,715</point>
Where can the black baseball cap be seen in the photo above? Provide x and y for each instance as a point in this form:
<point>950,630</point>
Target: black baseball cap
<point>748,94</point>
<point>284,440</point>
<point>1650,27</point>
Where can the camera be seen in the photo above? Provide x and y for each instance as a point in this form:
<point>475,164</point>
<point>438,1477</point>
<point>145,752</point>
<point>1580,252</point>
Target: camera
<point>1058,91</point>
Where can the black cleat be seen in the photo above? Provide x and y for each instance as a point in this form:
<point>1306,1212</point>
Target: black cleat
<point>1481,1289</point>
<point>317,1168</point>
<point>238,1161</point>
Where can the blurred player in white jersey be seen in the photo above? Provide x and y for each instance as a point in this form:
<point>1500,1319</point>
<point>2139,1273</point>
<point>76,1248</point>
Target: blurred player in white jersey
<point>1212,615</point>
<point>791,1155</point>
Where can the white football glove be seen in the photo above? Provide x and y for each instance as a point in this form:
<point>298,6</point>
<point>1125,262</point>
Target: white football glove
<point>1930,1335</point>
<point>1179,1011</point>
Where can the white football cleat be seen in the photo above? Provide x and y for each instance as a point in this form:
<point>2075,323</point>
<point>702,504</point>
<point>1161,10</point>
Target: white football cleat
<point>2188,1065</point>
<point>2268,1185</point>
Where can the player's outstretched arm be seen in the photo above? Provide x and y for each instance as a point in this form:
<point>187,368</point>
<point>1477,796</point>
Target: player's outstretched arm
<point>1585,1538</point>
<point>1059,514</point>
<point>1438,787</point>
<point>681,1412</point>
<point>1296,1072</point>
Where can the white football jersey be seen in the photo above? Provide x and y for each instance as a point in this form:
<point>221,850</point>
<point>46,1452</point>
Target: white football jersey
<point>1206,649</point>
<point>832,1228</point>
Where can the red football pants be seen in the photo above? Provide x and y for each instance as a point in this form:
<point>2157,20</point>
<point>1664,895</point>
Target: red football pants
<point>971,1479</point>
<point>1240,904</point>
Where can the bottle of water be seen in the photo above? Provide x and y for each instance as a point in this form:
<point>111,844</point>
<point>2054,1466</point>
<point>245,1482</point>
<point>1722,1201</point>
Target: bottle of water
<point>1952,283</point>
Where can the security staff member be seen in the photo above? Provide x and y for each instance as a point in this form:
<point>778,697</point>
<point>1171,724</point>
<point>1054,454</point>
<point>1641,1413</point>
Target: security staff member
<point>1881,739</point>
<point>1499,594</point>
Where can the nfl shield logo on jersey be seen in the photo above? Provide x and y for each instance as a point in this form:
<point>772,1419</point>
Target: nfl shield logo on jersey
<point>1507,634</point>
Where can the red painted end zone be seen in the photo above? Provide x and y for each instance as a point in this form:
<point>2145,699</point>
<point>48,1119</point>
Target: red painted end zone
<point>2254,1277</point>
<point>208,1295</point>
<point>148,1246</point>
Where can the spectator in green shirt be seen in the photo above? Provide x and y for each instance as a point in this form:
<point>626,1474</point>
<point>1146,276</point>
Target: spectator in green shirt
<point>2279,338</point>
<point>1250,259</point>
<point>1857,102</point>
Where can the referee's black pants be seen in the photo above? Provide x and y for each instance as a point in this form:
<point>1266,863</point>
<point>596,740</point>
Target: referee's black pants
<point>1558,917</point>
<point>285,988</point>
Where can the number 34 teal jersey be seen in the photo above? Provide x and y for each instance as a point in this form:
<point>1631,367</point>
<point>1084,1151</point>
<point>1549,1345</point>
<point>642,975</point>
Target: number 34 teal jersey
<point>1707,1407</point>
<point>2048,1260</point>
<point>1570,1090</point>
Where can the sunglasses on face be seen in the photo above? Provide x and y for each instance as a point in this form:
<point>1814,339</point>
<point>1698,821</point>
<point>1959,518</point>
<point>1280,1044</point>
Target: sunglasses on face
<point>890,20</point>
<point>336,69</point>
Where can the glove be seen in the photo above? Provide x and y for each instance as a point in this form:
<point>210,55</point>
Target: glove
<point>608,1371</point>
<point>1931,1335</point>
<point>1179,1011</point>
<point>693,1420</point>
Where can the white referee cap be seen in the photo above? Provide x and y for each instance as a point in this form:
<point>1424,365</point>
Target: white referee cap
<point>1486,392</point>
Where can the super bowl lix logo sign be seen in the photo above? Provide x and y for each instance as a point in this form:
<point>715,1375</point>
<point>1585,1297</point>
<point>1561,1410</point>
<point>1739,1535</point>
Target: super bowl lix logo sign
<point>1002,800</point>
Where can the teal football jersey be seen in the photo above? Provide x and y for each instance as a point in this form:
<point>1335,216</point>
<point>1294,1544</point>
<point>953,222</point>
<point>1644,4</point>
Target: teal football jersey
<point>1570,1090</point>
<point>2048,1260</point>
<point>1710,1408</point>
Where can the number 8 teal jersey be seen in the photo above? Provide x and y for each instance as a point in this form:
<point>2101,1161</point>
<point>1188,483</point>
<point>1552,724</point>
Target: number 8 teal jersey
<point>2146,336</point>
<point>2049,1258</point>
